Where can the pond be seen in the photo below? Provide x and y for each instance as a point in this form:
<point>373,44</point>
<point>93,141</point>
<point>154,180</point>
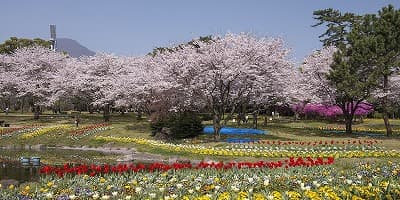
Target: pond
<point>10,172</point>
<point>60,156</point>
<point>11,168</point>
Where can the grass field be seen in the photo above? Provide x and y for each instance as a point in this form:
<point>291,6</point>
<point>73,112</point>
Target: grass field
<point>128,126</point>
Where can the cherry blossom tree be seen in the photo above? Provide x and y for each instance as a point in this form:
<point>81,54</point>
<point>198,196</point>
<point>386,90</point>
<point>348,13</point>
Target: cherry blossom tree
<point>32,70</point>
<point>7,84</point>
<point>144,87</point>
<point>222,72</point>
<point>98,76</point>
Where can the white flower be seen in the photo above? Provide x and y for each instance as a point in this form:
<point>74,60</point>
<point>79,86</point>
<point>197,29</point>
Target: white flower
<point>95,195</point>
<point>197,187</point>
<point>217,187</point>
<point>49,195</point>
<point>152,195</point>
<point>161,189</point>
<point>348,181</point>
<point>234,188</point>
<point>72,196</point>
<point>173,196</point>
<point>179,185</point>
<point>314,182</point>
<point>128,197</point>
<point>266,182</point>
<point>114,193</point>
<point>251,180</point>
<point>105,197</point>
<point>138,189</point>
<point>190,191</point>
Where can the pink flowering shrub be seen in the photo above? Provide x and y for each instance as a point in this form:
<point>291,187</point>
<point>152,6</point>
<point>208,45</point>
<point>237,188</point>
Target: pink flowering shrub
<point>329,111</point>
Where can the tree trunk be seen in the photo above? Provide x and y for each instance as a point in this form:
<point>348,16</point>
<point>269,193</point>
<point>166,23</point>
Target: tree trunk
<point>255,119</point>
<point>106,113</point>
<point>22,105</point>
<point>90,108</point>
<point>36,112</point>
<point>387,125</point>
<point>217,127</point>
<point>385,109</point>
<point>265,118</point>
<point>349,123</point>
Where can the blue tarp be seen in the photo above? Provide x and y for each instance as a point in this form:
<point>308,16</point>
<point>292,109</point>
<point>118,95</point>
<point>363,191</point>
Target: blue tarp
<point>233,131</point>
<point>240,140</point>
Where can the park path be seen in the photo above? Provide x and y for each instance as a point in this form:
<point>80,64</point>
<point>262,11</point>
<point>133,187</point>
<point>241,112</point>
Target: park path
<point>130,154</point>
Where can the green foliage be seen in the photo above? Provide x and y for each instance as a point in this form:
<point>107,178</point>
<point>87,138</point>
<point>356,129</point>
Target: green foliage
<point>354,74</point>
<point>378,115</point>
<point>158,50</point>
<point>206,116</point>
<point>10,45</point>
<point>182,125</point>
<point>338,25</point>
<point>387,31</point>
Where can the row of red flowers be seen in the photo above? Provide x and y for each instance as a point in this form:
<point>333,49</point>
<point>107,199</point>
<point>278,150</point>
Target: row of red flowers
<point>317,143</point>
<point>93,170</point>
<point>9,131</point>
<point>85,129</point>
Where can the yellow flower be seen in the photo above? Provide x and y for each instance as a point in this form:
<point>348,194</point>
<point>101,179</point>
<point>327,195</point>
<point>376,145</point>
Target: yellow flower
<point>11,187</point>
<point>224,196</point>
<point>49,184</point>
<point>277,195</point>
<point>102,180</point>
<point>242,195</point>
<point>355,197</point>
<point>258,196</point>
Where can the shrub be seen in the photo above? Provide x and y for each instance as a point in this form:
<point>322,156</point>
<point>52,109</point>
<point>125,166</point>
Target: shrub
<point>182,125</point>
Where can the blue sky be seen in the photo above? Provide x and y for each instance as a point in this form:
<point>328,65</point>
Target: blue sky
<point>128,27</point>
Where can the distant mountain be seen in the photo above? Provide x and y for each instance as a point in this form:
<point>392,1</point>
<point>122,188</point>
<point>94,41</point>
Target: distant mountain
<point>73,48</point>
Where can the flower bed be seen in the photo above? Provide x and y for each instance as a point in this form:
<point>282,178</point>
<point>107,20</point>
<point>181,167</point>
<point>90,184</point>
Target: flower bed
<point>9,132</point>
<point>342,129</point>
<point>45,130</point>
<point>319,143</point>
<point>255,151</point>
<point>93,170</point>
<point>363,181</point>
<point>89,130</point>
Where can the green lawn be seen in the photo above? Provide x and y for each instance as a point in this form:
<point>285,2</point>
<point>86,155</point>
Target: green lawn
<point>128,126</point>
